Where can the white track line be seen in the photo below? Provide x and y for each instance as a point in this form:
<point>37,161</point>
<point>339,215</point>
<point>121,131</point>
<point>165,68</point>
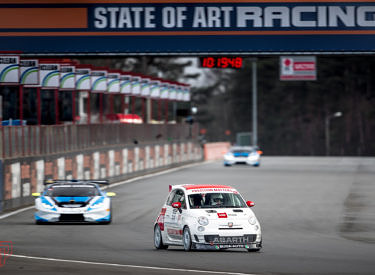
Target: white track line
<point>130,266</point>
<point>16,212</point>
<point>116,184</point>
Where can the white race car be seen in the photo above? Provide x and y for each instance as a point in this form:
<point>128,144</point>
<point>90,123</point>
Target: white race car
<point>207,217</point>
<point>242,155</point>
<point>73,201</point>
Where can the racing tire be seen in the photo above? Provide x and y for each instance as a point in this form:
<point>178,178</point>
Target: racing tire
<point>158,240</point>
<point>186,237</point>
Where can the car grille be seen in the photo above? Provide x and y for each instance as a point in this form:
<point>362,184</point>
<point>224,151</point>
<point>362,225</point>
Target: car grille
<point>72,218</point>
<point>217,239</point>
<point>230,228</point>
<point>72,204</point>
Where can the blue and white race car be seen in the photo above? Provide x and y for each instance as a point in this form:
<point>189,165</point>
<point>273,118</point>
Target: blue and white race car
<point>73,201</point>
<point>242,155</point>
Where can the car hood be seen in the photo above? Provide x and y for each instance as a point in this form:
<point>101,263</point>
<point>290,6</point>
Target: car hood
<point>223,213</point>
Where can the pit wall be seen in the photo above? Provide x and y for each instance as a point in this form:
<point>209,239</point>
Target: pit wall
<point>20,177</point>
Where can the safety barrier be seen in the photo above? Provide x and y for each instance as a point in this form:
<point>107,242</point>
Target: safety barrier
<point>21,141</point>
<point>20,177</point>
<point>215,150</point>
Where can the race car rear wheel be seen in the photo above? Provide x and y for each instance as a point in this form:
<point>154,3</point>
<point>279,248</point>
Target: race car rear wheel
<point>187,239</point>
<point>158,240</point>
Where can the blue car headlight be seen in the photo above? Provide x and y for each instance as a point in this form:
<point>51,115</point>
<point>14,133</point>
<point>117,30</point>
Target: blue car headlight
<point>99,203</point>
<point>46,203</point>
<point>228,155</point>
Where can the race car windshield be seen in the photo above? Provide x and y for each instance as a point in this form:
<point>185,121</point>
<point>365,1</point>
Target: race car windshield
<point>216,200</point>
<point>73,191</point>
<point>242,151</point>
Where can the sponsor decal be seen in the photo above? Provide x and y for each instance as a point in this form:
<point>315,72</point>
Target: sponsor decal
<point>222,215</point>
<point>232,240</point>
<point>6,249</point>
<point>220,246</point>
<point>176,232</point>
<point>206,190</point>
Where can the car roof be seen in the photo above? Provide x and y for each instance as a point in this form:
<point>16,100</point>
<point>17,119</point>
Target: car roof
<point>203,186</point>
<point>191,188</point>
<point>243,148</point>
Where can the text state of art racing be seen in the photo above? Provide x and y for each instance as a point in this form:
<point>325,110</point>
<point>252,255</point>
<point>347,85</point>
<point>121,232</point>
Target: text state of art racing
<point>207,217</point>
<point>73,201</point>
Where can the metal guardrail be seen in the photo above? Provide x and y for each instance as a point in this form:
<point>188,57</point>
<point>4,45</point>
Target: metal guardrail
<point>22,141</point>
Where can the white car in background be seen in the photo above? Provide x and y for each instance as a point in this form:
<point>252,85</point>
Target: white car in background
<point>243,155</point>
<point>207,217</point>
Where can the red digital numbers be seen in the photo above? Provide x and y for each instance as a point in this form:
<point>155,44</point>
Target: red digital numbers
<point>208,62</point>
<point>222,62</point>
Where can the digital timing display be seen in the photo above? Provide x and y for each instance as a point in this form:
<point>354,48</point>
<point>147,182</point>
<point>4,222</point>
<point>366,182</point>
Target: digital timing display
<point>221,62</point>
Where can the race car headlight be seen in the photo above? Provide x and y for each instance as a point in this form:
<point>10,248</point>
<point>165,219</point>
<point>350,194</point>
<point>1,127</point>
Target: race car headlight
<point>228,155</point>
<point>200,228</point>
<point>252,220</point>
<point>203,221</point>
<point>96,206</point>
<point>99,203</point>
<point>47,206</point>
<point>46,203</point>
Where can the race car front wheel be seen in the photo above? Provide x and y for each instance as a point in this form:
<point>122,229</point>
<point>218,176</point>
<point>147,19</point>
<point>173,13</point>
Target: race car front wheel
<point>187,239</point>
<point>158,240</point>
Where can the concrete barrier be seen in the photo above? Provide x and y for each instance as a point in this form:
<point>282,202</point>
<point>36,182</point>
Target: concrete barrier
<point>216,150</point>
<point>22,176</point>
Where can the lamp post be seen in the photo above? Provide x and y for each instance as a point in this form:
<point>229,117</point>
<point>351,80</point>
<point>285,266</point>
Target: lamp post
<point>254,101</point>
<point>327,130</point>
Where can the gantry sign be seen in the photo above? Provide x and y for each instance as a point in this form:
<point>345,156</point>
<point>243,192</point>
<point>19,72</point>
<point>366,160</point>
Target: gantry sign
<point>186,26</point>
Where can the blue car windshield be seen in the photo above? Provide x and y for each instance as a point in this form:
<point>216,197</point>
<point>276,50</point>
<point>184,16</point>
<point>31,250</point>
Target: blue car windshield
<point>72,191</point>
<point>242,151</point>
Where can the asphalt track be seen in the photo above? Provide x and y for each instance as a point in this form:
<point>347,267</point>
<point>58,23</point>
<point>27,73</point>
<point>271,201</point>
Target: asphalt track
<point>317,217</point>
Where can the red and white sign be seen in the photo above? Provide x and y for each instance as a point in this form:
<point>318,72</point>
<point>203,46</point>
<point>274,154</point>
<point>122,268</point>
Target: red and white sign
<point>297,68</point>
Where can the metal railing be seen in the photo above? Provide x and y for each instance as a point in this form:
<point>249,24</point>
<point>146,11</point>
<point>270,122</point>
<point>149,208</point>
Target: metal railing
<point>22,141</point>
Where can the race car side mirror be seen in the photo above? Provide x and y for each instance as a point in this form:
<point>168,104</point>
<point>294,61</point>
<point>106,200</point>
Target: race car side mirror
<point>111,194</point>
<point>250,203</point>
<point>35,194</point>
<point>176,205</point>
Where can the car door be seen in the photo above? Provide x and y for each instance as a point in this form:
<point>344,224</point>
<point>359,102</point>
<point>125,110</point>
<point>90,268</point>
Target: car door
<point>173,221</point>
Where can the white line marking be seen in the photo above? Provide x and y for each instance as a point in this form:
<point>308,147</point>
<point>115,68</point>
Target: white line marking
<point>16,212</point>
<point>130,266</point>
<point>115,185</point>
